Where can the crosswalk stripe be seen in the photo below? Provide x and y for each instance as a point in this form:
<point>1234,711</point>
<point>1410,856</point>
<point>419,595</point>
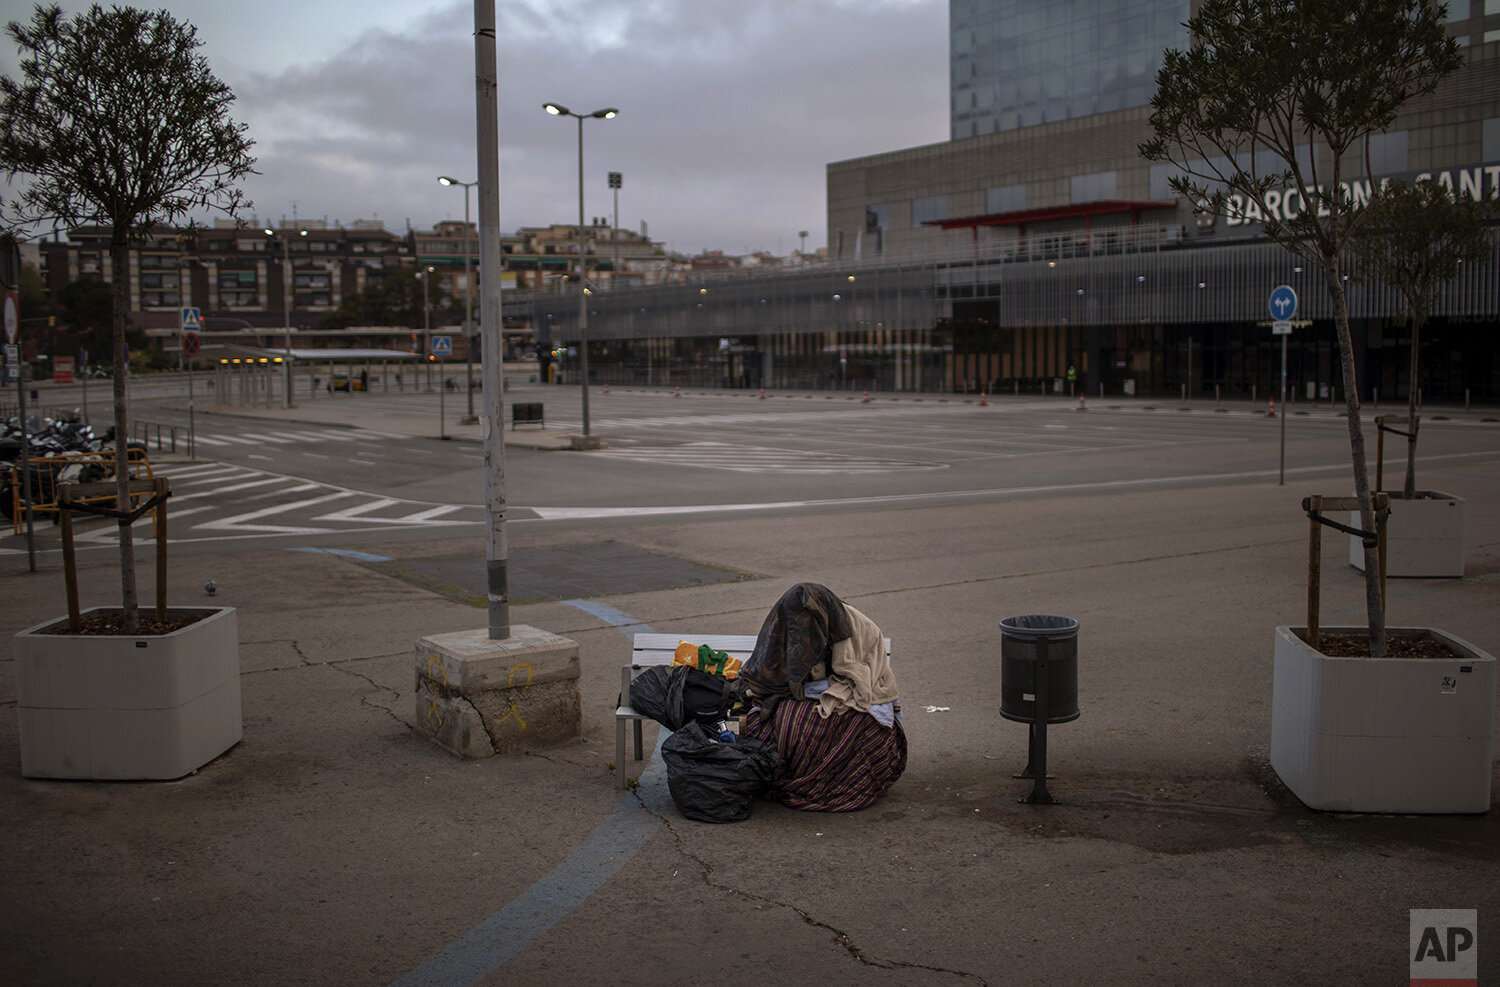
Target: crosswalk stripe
<point>240,522</point>
<point>716,455</point>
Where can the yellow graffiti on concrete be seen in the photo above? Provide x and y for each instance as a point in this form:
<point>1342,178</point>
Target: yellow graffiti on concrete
<point>510,684</point>
<point>433,711</point>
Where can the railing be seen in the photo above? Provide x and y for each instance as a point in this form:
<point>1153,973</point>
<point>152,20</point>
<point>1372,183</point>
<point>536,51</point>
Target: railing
<point>46,475</point>
<point>143,430</point>
<point>1033,247</point>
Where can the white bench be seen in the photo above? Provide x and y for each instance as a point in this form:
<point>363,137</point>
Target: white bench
<point>657,649</point>
<point>647,650</point>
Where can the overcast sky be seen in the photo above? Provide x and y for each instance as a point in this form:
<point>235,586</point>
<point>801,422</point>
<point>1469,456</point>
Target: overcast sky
<point>729,109</point>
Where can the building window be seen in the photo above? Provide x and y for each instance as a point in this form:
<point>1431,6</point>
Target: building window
<point>237,279</point>
<point>237,299</point>
<point>928,209</point>
<point>1005,198</point>
<point>1490,139</point>
<point>877,217</point>
<point>1387,153</point>
<point>1092,188</point>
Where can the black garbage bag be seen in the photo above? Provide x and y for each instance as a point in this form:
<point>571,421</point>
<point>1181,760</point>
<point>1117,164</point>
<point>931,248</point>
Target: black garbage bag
<point>717,781</point>
<point>675,695</point>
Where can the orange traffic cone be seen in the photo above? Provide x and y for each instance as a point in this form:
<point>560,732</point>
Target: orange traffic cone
<point>1081,405</point>
<point>867,396</point>
<point>606,388</point>
<point>983,403</point>
<point>762,393</point>
<point>677,392</point>
<point>1271,411</point>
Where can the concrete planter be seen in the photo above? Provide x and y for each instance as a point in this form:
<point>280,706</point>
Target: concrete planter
<point>128,708</point>
<point>1423,536</point>
<point>1383,734</point>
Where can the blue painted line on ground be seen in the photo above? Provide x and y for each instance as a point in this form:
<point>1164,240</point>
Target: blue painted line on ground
<point>627,624</point>
<point>490,945</point>
<point>344,553</point>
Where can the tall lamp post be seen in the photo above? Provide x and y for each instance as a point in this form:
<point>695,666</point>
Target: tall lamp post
<point>426,275</point>
<point>615,181</point>
<point>608,113</point>
<point>468,295</point>
<point>287,282</point>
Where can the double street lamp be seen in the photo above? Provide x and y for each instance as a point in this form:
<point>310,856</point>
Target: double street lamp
<point>607,113</point>
<point>288,282</point>
<point>468,294</point>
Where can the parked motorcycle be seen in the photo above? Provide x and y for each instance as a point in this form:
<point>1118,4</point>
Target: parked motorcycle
<point>66,436</point>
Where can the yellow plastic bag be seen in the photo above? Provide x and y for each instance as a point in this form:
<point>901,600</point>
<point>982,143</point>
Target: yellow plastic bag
<point>707,659</point>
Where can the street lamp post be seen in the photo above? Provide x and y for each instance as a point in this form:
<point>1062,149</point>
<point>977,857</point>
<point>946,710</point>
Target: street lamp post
<point>608,113</point>
<point>615,181</point>
<point>287,282</point>
<point>468,297</point>
<point>426,275</point>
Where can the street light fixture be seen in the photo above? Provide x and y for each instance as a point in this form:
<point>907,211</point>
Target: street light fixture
<point>287,284</point>
<point>608,113</point>
<point>468,296</point>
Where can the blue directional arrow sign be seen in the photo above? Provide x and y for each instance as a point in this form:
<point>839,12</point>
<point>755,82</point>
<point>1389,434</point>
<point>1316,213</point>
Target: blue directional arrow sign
<point>1283,302</point>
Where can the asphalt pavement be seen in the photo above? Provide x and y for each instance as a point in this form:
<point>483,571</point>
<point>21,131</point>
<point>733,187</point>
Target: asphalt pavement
<point>335,845</point>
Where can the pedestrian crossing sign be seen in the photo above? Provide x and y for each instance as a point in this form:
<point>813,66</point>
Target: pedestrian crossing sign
<point>191,320</point>
<point>442,345</point>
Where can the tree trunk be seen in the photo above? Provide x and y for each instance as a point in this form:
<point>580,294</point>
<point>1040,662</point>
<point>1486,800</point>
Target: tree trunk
<point>119,258</point>
<point>1410,489</point>
<point>1374,605</point>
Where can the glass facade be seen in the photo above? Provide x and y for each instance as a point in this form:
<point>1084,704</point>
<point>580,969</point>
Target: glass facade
<point>1018,63</point>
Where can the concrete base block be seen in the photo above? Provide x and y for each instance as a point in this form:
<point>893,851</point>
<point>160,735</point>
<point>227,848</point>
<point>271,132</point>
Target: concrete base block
<point>478,697</point>
<point>579,441</point>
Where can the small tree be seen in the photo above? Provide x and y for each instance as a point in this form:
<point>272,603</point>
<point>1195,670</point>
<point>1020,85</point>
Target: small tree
<point>87,306</point>
<point>1414,239</point>
<point>1280,98</point>
<point>116,120</point>
<point>394,300</point>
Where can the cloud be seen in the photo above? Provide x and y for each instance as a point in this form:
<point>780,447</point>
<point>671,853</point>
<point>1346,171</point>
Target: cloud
<point>729,111</point>
<point>728,114</point>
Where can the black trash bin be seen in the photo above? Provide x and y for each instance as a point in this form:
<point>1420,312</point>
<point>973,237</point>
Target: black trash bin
<point>1038,685</point>
<point>1021,639</point>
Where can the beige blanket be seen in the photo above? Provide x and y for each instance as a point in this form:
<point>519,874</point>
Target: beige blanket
<point>861,676</point>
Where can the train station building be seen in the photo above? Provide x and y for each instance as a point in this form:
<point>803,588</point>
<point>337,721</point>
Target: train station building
<point>1037,240</point>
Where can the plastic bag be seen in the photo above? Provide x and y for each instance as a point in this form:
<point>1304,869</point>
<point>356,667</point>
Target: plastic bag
<point>675,695</point>
<point>716,782</point>
<point>706,658</point>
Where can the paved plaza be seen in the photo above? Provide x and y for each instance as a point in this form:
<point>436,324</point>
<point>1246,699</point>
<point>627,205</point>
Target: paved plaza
<point>335,845</point>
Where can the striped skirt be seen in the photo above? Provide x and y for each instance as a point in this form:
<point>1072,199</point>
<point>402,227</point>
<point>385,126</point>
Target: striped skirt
<point>838,764</point>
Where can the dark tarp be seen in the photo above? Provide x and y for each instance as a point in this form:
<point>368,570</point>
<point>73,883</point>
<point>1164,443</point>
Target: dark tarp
<point>795,644</point>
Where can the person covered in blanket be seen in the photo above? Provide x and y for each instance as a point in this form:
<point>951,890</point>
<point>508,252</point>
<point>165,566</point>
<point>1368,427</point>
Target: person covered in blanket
<point>822,691</point>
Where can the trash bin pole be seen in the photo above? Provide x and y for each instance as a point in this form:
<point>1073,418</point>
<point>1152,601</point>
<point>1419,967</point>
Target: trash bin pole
<point>1039,794</point>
